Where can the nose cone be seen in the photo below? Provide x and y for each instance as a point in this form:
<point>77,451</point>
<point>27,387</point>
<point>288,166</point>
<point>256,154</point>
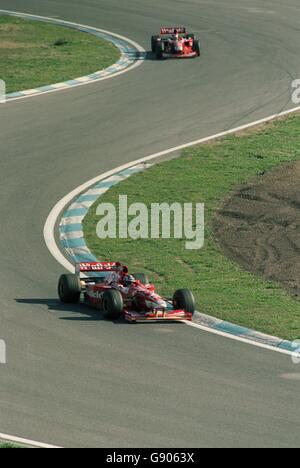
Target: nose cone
<point>157,304</point>
<point>162,304</point>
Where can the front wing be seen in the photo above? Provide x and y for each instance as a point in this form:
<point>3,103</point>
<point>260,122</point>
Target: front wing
<point>157,316</point>
<point>180,56</point>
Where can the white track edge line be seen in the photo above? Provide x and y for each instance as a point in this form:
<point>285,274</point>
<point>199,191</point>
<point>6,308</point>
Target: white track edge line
<point>240,339</point>
<point>32,443</point>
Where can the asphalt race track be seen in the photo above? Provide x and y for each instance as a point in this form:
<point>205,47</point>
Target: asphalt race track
<point>72,380</point>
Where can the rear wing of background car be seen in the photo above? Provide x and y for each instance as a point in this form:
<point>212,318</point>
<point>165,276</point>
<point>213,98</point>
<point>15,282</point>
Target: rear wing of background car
<point>172,31</point>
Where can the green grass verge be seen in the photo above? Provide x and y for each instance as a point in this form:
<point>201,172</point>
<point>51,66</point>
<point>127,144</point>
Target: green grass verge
<point>9,446</point>
<point>34,54</point>
<point>208,173</point>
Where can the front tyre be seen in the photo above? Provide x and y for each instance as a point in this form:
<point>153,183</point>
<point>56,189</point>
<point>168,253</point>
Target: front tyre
<point>112,304</point>
<point>183,299</point>
<point>154,40</point>
<point>69,289</point>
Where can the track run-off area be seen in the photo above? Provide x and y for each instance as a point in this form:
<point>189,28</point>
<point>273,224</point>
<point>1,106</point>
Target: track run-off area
<point>70,378</point>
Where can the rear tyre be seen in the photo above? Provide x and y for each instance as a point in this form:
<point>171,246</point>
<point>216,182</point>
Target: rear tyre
<point>112,304</point>
<point>69,289</point>
<point>184,299</point>
<point>196,48</point>
<point>159,50</point>
<point>153,43</point>
<point>142,277</point>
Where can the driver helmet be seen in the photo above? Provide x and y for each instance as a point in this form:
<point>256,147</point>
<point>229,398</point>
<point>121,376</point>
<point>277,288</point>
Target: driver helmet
<point>129,280</point>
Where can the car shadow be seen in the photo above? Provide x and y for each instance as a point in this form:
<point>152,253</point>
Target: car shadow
<point>148,55</point>
<point>85,314</point>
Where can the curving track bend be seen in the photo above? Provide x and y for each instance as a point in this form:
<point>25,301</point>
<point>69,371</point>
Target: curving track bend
<point>73,380</point>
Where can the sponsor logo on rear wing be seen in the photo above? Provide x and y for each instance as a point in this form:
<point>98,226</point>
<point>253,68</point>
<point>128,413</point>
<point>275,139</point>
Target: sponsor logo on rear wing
<point>172,30</point>
<point>95,267</point>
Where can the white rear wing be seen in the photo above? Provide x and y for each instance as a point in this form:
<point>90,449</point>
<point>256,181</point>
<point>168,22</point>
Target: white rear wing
<point>93,269</point>
<point>172,31</point>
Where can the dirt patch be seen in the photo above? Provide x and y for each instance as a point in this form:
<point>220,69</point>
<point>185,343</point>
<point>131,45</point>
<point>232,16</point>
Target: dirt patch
<point>10,27</point>
<point>259,226</point>
<point>15,45</point>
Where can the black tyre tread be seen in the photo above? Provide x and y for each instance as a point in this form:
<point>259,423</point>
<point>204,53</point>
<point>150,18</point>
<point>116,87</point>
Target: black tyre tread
<point>112,304</point>
<point>184,299</point>
<point>196,47</point>
<point>69,289</point>
<point>153,43</point>
<point>159,51</point>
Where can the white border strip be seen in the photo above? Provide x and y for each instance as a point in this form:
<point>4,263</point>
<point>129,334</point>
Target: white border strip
<point>31,443</point>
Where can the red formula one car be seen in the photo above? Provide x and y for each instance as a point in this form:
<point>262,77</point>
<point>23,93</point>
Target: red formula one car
<point>109,288</point>
<point>175,43</point>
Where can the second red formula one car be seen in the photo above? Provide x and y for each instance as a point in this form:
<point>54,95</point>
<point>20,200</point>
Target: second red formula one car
<point>108,287</point>
<point>175,43</point>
